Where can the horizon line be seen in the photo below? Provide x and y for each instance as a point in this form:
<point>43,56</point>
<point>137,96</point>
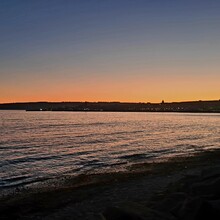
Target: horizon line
<point>162,101</point>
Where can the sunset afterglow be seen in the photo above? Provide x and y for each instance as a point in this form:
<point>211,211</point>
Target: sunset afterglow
<point>129,51</point>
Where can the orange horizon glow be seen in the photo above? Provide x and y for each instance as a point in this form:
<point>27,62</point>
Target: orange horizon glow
<point>137,86</point>
<point>131,101</point>
<point>142,51</point>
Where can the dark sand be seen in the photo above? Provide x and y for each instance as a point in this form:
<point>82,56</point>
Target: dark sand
<point>88,196</point>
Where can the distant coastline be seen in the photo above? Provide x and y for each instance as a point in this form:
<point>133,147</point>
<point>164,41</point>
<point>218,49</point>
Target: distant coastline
<point>212,106</point>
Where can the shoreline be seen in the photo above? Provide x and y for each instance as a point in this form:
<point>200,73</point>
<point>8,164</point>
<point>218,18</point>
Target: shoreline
<point>89,195</point>
<point>148,167</point>
<point>184,106</point>
<point>98,111</point>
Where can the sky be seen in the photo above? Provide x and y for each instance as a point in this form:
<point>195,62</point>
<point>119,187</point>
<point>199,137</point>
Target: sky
<point>109,50</point>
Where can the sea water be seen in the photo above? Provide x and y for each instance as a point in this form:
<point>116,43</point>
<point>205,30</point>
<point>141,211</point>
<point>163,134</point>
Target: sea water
<point>37,146</point>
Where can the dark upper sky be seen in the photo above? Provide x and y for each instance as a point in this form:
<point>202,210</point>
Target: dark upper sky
<point>140,50</point>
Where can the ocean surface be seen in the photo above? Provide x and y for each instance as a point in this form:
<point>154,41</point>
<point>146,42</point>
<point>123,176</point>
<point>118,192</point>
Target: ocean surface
<point>37,146</point>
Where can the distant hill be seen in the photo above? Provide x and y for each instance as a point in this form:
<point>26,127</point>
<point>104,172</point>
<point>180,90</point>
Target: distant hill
<point>190,106</point>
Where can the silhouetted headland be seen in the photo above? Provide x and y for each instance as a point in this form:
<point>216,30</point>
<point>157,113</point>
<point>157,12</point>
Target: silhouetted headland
<point>189,106</point>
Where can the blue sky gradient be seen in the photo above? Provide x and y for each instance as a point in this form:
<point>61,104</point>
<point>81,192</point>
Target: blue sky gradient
<point>95,50</point>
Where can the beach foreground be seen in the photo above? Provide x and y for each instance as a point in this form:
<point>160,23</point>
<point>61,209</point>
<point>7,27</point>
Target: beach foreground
<point>180,188</point>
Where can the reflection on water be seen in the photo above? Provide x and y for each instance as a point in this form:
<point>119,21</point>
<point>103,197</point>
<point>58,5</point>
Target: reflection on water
<point>40,145</point>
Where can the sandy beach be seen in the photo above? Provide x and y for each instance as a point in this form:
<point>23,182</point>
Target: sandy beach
<point>113,195</point>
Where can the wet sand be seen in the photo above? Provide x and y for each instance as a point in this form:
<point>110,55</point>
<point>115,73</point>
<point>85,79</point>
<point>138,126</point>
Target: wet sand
<point>89,196</point>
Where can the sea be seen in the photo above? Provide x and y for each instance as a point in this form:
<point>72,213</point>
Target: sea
<point>40,146</point>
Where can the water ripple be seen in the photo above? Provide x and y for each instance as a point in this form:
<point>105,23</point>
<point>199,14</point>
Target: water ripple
<point>39,146</point>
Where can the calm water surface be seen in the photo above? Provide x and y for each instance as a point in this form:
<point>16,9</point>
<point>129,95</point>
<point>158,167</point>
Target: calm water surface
<point>35,146</point>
